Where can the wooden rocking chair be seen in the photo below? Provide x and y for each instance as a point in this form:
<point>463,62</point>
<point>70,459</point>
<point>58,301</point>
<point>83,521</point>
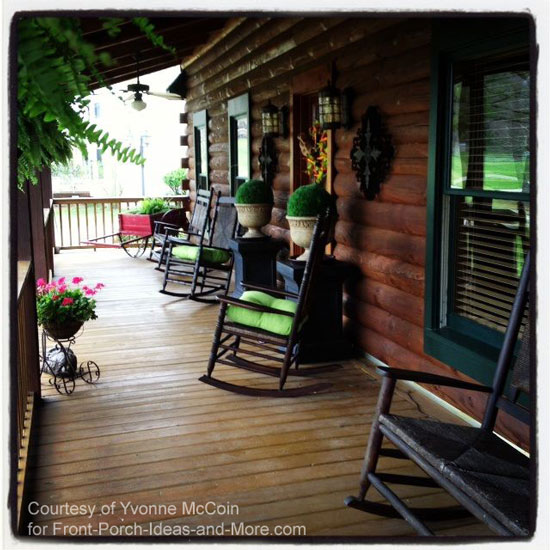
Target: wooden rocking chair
<point>263,318</point>
<point>486,475</point>
<point>175,222</point>
<point>204,266</point>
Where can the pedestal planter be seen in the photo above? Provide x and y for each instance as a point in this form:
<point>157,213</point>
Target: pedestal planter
<point>301,231</point>
<point>253,217</point>
<point>64,331</point>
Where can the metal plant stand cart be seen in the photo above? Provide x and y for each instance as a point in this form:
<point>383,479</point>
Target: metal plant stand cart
<point>60,363</point>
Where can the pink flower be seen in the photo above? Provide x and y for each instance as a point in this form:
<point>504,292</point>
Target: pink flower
<point>85,287</point>
<point>67,301</point>
<point>61,289</point>
<point>40,283</point>
<point>90,292</point>
<point>99,286</point>
<point>56,297</point>
<point>77,280</point>
<point>61,281</point>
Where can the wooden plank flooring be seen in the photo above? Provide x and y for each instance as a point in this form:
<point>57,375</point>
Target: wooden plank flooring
<point>148,433</point>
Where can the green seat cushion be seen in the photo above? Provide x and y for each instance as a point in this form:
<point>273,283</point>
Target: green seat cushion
<point>271,322</point>
<point>210,255</point>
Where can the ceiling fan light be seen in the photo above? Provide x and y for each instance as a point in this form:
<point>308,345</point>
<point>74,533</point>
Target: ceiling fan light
<point>139,104</point>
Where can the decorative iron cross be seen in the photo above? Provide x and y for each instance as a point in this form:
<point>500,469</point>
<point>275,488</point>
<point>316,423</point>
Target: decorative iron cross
<point>371,153</point>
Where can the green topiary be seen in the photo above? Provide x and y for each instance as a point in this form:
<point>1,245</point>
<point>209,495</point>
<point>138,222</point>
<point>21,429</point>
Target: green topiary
<point>254,192</point>
<point>308,200</point>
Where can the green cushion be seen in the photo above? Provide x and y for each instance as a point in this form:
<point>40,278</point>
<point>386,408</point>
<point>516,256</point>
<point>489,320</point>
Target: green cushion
<point>210,255</point>
<point>278,324</point>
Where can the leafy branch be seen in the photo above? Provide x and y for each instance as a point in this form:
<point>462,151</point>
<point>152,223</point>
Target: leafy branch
<point>56,67</point>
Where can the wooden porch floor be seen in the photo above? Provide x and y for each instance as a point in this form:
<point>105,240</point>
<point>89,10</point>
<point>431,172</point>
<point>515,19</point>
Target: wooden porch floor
<point>148,433</point>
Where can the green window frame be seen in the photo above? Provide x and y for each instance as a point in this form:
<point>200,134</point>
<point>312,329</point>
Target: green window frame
<point>469,346</point>
<point>238,112</point>
<point>200,142</point>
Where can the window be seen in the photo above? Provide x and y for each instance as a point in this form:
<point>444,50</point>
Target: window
<point>479,206</point>
<point>200,142</point>
<point>239,141</point>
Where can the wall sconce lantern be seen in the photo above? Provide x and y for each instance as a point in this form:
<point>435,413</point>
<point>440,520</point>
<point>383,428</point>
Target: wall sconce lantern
<point>274,121</point>
<point>334,106</point>
<point>270,120</point>
<point>273,125</point>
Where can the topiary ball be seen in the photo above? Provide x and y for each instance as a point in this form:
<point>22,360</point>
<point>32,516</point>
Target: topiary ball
<point>254,192</point>
<point>308,200</point>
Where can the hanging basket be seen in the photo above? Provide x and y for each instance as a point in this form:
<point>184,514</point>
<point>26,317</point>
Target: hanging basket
<point>64,331</point>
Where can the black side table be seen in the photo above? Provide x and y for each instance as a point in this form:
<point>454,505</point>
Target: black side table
<point>324,338</point>
<point>255,262</point>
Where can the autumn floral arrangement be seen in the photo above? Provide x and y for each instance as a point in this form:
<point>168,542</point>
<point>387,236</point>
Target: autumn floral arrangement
<point>314,150</point>
<point>63,307</point>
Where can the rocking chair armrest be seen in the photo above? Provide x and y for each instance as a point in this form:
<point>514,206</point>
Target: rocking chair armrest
<point>252,306</point>
<point>269,290</point>
<point>177,240</point>
<point>428,378</point>
<point>165,224</point>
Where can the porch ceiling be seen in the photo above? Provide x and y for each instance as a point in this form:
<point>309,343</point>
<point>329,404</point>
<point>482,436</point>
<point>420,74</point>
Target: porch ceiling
<point>185,34</point>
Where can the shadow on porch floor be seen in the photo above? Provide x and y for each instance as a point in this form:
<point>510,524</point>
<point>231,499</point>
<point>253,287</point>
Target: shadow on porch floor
<point>148,433</point>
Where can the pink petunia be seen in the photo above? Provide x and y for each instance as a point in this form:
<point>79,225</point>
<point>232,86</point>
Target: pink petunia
<point>85,287</point>
<point>61,281</point>
<point>99,286</point>
<point>77,280</point>
<point>40,283</point>
<point>61,289</point>
<point>67,301</point>
<point>90,292</point>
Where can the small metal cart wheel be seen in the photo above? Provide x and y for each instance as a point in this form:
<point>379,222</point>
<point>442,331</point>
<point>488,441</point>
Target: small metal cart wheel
<point>64,384</point>
<point>89,372</point>
<point>133,245</point>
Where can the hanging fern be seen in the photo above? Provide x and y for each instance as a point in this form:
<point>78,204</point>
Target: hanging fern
<point>56,67</point>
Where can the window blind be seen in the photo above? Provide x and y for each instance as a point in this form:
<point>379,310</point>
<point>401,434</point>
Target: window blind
<point>492,240</point>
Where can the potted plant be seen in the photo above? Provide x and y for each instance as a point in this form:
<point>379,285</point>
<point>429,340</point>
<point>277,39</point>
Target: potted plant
<point>62,308</point>
<point>254,201</point>
<point>308,201</point>
<point>141,219</point>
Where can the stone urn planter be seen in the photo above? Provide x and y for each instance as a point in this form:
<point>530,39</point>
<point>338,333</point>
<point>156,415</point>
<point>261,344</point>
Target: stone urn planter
<point>253,217</point>
<point>301,232</point>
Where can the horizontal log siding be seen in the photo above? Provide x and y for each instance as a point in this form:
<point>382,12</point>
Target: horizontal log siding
<point>387,63</point>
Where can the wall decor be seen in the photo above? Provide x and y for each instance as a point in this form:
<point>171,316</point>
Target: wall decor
<point>267,159</point>
<point>372,153</point>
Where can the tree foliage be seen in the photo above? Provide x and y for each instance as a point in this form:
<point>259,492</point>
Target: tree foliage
<point>56,67</point>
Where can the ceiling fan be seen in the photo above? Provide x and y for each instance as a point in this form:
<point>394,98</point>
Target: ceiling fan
<point>138,89</point>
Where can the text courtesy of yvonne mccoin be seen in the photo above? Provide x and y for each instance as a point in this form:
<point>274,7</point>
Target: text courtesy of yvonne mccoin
<point>120,518</point>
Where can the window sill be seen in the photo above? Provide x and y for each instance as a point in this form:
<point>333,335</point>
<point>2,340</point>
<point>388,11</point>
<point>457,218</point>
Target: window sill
<point>470,356</point>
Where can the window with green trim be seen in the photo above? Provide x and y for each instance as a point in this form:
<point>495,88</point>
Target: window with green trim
<point>200,129</point>
<point>238,110</point>
<point>480,205</point>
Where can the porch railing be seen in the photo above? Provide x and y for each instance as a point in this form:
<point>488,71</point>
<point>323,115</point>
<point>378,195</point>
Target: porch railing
<point>27,371</point>
<point>80,219</point>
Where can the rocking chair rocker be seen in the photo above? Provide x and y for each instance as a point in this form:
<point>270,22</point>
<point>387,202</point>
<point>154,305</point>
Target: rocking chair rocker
<point>263,318</point>
<point>486,475</point>
<point>175,222</point>
<point>205,265</point>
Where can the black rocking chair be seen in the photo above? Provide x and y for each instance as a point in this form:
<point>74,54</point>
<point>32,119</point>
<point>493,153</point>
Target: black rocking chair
<point>486,475</point>
<point>206,265</point>
<point>276,329</point>
<point>175,222</point>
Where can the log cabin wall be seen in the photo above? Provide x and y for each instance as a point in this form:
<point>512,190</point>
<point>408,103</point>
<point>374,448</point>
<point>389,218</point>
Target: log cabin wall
<point>386,61</point>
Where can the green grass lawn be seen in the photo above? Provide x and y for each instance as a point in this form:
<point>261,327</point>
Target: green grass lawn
<point>501,173</point>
